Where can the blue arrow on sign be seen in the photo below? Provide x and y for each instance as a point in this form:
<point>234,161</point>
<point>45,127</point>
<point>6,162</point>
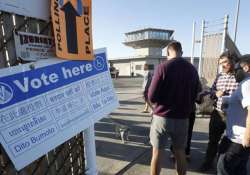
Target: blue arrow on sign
<point>79,6</point>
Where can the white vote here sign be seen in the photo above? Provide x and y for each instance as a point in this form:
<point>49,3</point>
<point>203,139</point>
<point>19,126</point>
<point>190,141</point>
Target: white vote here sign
<point>43,107</point>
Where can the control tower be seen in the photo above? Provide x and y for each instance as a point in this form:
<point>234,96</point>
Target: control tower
<point>149,41</point>
<point>148,44</point>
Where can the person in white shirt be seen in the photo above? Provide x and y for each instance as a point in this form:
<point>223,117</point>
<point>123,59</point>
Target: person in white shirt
<point>235,146</point>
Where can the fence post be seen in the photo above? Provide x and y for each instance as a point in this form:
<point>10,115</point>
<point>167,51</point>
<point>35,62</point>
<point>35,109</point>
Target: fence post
<point>193,44</point>
<point>201,49</point>
<point>225,31</point>
<point>90,151</point>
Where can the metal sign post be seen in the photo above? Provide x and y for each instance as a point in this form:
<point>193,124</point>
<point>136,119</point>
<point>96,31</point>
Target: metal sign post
<point>90,151</point>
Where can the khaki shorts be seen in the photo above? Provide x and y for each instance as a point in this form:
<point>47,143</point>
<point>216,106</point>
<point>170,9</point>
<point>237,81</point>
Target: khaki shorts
<point>162,128</point>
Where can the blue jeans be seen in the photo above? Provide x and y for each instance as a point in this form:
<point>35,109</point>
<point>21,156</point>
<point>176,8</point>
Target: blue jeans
<point>232,159</point>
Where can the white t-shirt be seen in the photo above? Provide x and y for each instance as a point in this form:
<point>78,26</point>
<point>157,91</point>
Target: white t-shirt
<point>237,112</point>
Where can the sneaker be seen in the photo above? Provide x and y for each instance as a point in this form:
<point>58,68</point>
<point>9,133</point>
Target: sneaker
<point>145,111</point>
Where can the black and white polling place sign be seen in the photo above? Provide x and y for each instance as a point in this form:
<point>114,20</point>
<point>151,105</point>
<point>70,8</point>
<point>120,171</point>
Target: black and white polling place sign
<point>32,47</point>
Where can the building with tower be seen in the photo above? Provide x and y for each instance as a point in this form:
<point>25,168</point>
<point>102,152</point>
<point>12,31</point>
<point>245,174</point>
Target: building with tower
<point>148,44</point>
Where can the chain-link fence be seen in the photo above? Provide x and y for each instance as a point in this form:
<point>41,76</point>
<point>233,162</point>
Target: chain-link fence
<point>66,159</point>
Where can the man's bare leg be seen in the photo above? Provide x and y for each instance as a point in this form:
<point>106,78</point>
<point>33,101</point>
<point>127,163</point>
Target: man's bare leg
<point>157,155</point>
<point>180,161</point>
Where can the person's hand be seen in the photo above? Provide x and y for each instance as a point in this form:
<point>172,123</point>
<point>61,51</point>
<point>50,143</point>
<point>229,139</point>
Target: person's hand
<point>219,94</point>
<point>246,140</point>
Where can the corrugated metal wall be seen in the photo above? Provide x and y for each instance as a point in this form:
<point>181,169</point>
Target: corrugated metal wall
<point>211,52</point>
<point>231,45</point>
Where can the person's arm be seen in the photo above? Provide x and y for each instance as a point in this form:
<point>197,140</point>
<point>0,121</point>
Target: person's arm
<point>148,83</point>
<point>147,76</point>
<point>199,97</point>
<point>199,85</point>
<point>246,104</point>
<point>155,86</point>
<point>214,89</point>
<point>246,139</point>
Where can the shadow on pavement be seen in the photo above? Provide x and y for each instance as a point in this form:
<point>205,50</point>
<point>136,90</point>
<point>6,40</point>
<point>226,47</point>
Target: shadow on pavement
<point>138,136</point>
<point>119,121</point>
<point>127,102</point>
<point>124,108</point>
<point>117,151</point>
<point>129,114</point>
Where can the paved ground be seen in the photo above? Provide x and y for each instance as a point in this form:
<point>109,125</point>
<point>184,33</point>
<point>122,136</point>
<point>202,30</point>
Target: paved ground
<point>133,157</point>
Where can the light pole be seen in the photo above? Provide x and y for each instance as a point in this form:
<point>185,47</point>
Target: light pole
<point>236,21</point>
<point>193,43</point>
<point>201,49</point>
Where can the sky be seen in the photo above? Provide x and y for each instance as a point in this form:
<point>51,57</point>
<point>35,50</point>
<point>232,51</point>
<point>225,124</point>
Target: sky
<point>113,18</point>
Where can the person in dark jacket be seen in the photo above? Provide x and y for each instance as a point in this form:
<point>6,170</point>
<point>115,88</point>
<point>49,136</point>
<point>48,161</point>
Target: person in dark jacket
<point>173,92</point>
